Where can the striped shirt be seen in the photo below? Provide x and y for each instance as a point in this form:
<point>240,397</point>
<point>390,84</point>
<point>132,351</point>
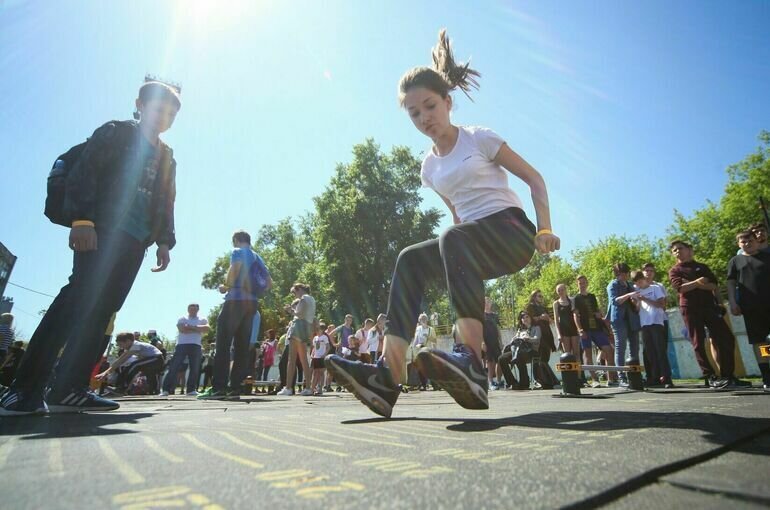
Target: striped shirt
<point>6,337</point>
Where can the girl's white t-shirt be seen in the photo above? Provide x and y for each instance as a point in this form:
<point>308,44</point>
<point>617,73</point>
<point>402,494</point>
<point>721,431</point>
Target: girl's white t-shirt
<point>468,176</point>
<point>320,346</point>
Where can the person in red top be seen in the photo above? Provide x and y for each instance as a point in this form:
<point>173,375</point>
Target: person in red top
<point>695,283</point>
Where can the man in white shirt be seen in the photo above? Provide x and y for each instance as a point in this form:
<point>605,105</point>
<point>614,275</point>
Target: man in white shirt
<point>188,347</point>
<point>374,338</point>
<point>362,336</point>
<point>652,316</point>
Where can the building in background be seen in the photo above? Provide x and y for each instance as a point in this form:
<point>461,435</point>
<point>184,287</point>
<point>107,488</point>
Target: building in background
<point>7,261</point>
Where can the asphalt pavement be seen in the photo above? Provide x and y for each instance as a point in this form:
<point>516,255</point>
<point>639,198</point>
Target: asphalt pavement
<point>614,448</point>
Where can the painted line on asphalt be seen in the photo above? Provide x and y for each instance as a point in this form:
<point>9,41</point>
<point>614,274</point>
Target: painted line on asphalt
<point>55,459</point>
<point>320,492</point>
<point>364,439</point>
<point>406,468</point>
<point>5,451</point>
<point>301,446</point>
<point>228,456</point>
<point>305,436</point>
<point>416,434</point>
<point>163,497</point>
<point>242,443</point>
<point>157,448</point>
<point>126,471</point>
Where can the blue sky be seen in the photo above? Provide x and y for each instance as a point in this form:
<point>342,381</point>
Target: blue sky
<point>606,98</point>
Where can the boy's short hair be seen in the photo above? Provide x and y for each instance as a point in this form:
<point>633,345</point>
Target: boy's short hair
<point>158,90</point>
<point>241,236</point>
<point>621,267</point>
<point>305,287</point>
<point>678,241</point>
<point>636,276</point>
<point>748,234</point>
<point>648,265</point>
<point>581,277</point>
<point>348,316</point>
<point>369,320</point>
<point>125,336</point>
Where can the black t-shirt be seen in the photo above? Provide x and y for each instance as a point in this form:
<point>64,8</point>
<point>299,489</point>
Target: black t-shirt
<point>752,275</point>
<point>587,306</point>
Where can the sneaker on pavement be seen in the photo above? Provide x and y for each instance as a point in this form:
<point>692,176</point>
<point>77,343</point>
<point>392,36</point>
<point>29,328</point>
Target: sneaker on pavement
<point>19,403</point>
<point>78,401</point>
<point>163,393</point>
<point>285,392</point>
<point>717,383</point>
<point>493,386</point>
<point>596,384</point>
<point>211,394</point>
<point>371,384</point>
<point>613,384</point>
<point>459,373</point>
<point>191,394</point>
<point>623,384</point>
<point>307,392</point>
<point>737,383</point>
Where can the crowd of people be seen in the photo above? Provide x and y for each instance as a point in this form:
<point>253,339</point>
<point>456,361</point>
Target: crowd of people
<point>116,193</point>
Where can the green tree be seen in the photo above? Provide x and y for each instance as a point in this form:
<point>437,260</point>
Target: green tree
<point>712,229</point>
<point>367,214</point>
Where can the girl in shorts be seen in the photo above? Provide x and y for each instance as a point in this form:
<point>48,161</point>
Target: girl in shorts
<point>468,167</point>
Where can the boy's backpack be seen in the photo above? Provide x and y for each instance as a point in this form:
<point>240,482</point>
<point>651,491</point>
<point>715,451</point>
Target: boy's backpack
<point>54,200</point>
<point>259,277</point>
<point>57,178</point>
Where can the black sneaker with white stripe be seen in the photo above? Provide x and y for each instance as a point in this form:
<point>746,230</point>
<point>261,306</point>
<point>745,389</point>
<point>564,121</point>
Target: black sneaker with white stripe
<point>460,373</point>
<point>20,403</point>
<point>81,400</point>
<point>371,384</point>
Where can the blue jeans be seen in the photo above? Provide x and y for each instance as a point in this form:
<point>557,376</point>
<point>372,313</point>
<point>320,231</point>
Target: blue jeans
<point>623,336</point>
<point>193,353</point>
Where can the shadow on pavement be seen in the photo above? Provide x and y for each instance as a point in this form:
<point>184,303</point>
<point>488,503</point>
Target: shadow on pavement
<point>69,425</point>
<point>719,429</point>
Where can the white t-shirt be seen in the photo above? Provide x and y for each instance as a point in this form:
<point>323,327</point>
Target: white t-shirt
<point>421,334</point>
<point>363,345</point>
<point>190,338</point>
<point>320,346</point>
<point>649,314</point>
<point>469,177</point>
<point>144,350</point>
<point>373,340</point>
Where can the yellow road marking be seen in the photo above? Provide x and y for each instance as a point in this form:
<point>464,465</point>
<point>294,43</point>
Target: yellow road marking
<point>319,492</point>
<point>304,436</point>
<point>127,472</point>
<point>291,484</point>
<point>55,460</point>
<point>224,455</point>
<point>282,475</point>
<point>494,460</point>
<point>363,439</point>
<point>154,446</point>
<point>301,446</point>
<point>240,442</point>
<point>416,434</point>
<point>425,473</point>
<point>150,494</point>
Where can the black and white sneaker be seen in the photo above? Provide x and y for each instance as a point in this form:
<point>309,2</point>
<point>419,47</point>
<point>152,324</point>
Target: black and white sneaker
<point>734,382</point>
<point>20,403</point>
<point>81,400</point>
<point>717,383</point>
<point>460,373</point>
<point>371,384</point>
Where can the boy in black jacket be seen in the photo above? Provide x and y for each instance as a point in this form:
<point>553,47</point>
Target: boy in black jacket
<point>120,195</point>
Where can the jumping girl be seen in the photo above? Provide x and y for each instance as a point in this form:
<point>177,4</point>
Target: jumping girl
<point>491,237</point>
